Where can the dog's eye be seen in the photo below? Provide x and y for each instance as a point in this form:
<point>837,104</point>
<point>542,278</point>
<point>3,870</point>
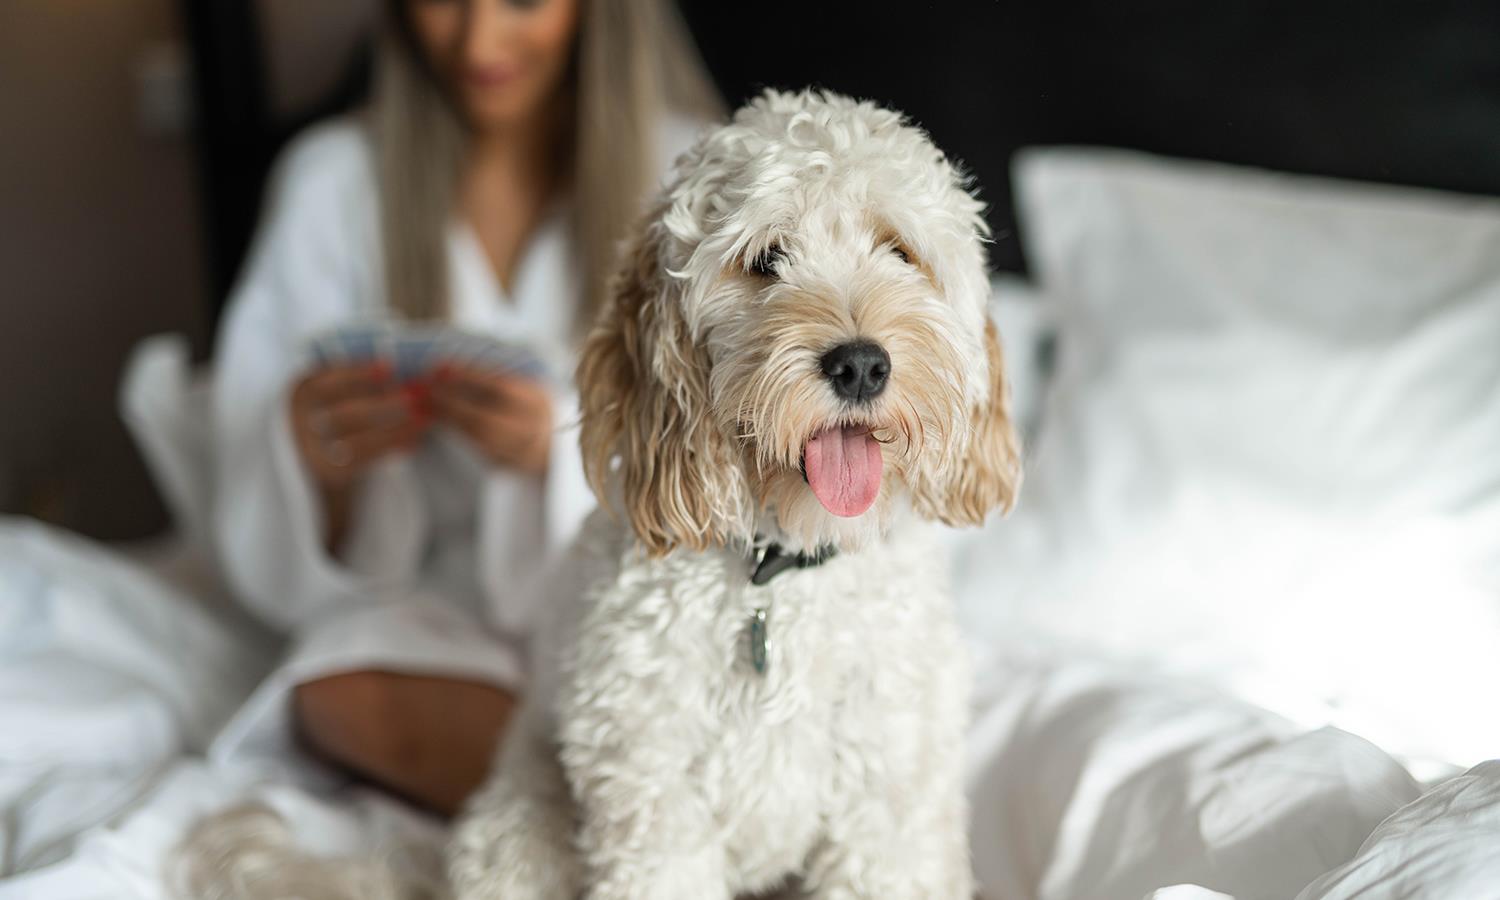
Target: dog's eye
<point>901,254</point>
<point>764,263</point>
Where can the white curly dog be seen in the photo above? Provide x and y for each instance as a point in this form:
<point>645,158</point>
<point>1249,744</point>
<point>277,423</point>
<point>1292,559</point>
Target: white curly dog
<point>751,682</point>
<point>760,686</point>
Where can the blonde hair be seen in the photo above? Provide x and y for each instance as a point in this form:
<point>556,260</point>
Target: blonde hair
<point>634,64</point>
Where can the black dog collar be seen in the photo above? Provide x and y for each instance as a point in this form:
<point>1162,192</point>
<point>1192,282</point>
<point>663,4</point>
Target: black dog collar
<point>773,561</point>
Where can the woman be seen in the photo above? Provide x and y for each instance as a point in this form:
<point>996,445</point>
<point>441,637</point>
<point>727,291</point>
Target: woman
<point>392,529</point>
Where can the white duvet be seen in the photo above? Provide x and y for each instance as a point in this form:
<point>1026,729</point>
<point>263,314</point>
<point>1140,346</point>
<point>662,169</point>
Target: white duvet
<point>1088,781</point>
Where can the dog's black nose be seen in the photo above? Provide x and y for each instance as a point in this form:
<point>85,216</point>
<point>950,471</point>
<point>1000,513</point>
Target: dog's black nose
<point>857,370</point>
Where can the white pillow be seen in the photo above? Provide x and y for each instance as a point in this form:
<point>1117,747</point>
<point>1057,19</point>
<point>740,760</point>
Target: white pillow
<point>1016,307</point>
<point>167,406</point>
<point>1439,845</point>
<point>1270,456</point>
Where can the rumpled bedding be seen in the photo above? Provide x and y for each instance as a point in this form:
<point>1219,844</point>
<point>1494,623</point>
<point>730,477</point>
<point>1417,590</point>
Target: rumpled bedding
<point>1088,779</point>
<point>107,675</point>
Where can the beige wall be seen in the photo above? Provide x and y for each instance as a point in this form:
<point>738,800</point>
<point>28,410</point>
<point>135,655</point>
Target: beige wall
<point>98,247</point>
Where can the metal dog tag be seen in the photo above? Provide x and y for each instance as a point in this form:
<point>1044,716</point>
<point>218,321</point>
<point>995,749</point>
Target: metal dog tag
<point>758,640</point>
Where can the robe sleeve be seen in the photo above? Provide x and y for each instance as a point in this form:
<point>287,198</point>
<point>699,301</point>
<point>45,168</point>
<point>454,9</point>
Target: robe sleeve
<point>314,266</point>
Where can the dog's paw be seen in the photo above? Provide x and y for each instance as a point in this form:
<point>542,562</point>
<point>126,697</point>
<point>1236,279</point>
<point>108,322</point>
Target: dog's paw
<point>510,856</point>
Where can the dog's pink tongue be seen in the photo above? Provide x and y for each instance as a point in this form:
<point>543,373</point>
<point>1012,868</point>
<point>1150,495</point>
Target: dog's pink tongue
<point>843,469</point>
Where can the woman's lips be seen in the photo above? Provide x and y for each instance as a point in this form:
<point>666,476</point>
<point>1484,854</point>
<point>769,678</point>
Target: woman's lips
<point>491,76</point>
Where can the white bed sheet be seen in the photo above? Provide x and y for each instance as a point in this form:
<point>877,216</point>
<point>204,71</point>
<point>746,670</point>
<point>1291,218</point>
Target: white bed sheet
<point>107,674</point>
<point>1088,781</point>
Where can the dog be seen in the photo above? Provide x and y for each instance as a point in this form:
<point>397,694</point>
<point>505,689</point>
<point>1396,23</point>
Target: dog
<point>753,683</point>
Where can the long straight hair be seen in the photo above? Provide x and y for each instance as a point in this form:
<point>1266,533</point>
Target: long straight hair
<point>634,64</point>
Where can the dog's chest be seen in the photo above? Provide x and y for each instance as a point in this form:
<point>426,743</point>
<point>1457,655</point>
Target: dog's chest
<point>665,670</point>
<point>793,733</point>
<point>770,768</point>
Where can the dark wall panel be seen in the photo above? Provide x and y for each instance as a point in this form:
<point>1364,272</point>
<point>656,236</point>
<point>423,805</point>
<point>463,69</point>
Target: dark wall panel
<point>1405,92</point>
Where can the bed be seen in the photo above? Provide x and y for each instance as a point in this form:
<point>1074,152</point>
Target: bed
<point>1240,638</point>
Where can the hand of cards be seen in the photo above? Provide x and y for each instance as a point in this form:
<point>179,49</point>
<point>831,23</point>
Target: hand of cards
<point>415,350</point>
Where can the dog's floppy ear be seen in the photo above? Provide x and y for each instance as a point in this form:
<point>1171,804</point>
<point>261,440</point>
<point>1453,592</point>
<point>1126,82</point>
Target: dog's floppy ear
<point>988,472</point>
<point>643,385</point>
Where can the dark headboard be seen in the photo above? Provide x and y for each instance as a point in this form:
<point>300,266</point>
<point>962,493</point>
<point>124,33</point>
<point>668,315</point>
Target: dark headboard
<point>1403,91</point>
<point>238,128</point>
<point>1406,91</point>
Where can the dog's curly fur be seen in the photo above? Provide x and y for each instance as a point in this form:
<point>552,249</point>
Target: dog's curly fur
<point>652,761</point>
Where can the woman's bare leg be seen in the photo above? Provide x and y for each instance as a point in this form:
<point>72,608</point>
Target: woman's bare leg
<point>428,739</point>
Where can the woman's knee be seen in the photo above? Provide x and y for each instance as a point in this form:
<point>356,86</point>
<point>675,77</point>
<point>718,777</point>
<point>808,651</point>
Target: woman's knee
<point>349,719</point>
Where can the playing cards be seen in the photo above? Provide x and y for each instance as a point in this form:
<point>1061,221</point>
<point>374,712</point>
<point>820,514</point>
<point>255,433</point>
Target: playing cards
<point>413,351</point>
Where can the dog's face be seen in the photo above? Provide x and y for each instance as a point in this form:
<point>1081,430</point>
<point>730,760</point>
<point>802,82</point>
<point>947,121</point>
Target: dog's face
<point>799,344</point>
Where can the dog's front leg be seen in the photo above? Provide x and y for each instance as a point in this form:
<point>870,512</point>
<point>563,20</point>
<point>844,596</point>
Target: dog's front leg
<point>926,856</point>
<point>645,831</point>
<point>649,843</point>
<point>515,838</point>
<point>632,737</point>
<point>656,870</point>
<point>904,831</point>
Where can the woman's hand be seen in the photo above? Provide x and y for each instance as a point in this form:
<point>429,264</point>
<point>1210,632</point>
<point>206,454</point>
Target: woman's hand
<point>508,418</point>
<point>346,418</point>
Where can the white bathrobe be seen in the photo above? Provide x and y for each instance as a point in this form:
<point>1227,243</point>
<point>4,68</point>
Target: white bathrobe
<point>443,550</point>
